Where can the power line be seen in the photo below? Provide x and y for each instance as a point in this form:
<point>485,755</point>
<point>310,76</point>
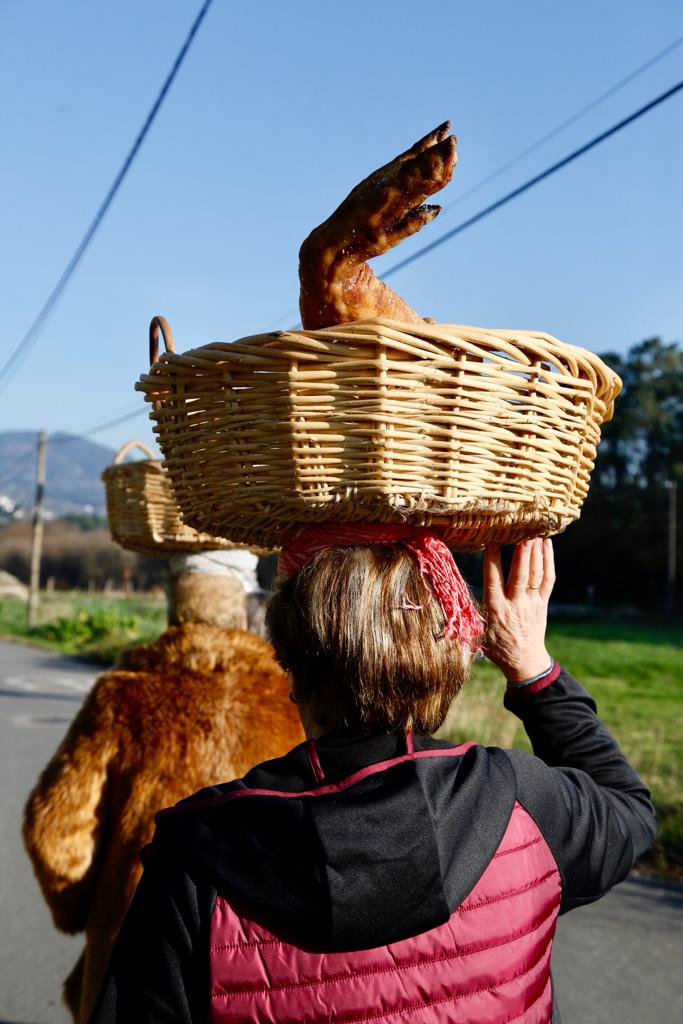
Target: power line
<point>641,69</point>
<point>115,422</point>
<point>533,181</point>
<point>274,324</point>
<point>565,124</point>
<point>8,472</point>
<point>101,426</point>
<point>36,327</point>
<point>544,174</point>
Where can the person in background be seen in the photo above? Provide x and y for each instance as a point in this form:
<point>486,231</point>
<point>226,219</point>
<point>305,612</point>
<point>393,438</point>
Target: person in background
<point>202,703</point>
<point>374,873</point>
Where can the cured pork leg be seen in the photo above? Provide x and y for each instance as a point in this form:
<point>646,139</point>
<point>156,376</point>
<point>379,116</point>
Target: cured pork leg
<point>337,285</point>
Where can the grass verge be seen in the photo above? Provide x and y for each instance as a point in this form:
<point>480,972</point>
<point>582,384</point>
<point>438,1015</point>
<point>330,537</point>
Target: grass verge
<point>95,628</point>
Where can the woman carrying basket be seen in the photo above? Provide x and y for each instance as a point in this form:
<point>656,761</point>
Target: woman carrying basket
<point>374,873</point>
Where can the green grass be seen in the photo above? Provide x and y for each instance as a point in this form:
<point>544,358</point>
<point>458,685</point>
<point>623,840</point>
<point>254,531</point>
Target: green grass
<point>635,674</point>
<point>95,628</point>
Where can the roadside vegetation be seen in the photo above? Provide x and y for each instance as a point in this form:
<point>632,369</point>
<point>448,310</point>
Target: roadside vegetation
<point>84,625</point>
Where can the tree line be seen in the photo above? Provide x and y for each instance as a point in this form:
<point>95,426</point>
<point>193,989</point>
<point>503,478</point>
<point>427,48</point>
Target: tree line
<point>617,552</point>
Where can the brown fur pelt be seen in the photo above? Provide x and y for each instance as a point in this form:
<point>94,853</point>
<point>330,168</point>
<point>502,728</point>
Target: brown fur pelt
<point>200,705</point>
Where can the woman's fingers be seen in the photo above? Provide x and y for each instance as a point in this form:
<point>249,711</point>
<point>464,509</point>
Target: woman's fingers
<point>518,578</point>
<point>532,569</point>
<point>535,565</point>
<point>548,569</point>
<point>515,640</point>
<point>494,581</point>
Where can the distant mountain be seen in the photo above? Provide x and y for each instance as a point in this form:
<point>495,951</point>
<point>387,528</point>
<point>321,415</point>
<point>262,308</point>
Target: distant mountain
<point>73,469</point>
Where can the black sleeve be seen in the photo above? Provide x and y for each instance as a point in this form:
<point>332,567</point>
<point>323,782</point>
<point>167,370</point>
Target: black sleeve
<point>159,969</point>
<point>592,807</point>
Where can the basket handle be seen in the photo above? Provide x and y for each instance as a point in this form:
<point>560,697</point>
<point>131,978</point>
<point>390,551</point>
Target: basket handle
<point>121,454</point>
<point>159,323</point>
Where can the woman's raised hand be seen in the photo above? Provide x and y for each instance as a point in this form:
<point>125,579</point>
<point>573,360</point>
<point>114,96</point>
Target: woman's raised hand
<point>517,611</point>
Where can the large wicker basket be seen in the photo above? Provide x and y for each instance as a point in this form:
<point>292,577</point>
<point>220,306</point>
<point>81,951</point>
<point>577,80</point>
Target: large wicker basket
<point>143,513</point>
<point>491,433</point>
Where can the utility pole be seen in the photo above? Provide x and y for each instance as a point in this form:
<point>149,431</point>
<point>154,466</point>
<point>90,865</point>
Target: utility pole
<point>37,538</point>
<point>672,488</point>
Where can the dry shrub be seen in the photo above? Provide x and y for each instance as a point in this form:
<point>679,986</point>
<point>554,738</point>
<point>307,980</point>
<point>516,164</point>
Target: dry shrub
<point>76,558</point>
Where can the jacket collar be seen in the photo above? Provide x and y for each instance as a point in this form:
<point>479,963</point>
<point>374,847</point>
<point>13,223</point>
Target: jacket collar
<point>345,751</point>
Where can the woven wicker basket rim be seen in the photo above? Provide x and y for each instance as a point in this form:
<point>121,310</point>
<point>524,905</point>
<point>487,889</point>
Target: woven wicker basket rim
<point>316,402</point>
<point>256,346</point>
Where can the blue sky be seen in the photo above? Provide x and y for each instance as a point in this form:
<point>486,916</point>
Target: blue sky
<point>279,109</point>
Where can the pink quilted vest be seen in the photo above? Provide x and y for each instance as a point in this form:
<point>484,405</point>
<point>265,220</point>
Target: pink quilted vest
<point>488,964</point>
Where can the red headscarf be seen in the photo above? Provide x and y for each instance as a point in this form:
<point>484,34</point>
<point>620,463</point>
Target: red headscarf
<point>434,559</point>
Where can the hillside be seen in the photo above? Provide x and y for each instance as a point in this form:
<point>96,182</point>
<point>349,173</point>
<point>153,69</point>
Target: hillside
<point>73,471</point>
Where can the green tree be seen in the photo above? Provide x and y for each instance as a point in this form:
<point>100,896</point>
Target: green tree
<point>619,546</point>
<point>643,444</point>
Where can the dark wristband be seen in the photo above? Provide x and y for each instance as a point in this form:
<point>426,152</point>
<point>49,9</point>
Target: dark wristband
<point>536,683</point>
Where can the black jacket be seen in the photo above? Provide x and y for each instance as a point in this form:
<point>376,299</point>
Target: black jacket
<point>385,858</point>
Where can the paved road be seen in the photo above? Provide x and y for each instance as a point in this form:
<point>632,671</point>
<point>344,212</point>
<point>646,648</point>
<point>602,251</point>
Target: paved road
<point>619,961</point>
<point>616,961</point>
<point>39,694</point>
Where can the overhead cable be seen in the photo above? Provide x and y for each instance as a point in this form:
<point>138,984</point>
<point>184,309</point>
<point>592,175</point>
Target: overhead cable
<point>101,426</point>
<point>641,69</point>
<point>532,147</point>
<point>9,471</point>
<point>36,327</point>
<point>532,181</point>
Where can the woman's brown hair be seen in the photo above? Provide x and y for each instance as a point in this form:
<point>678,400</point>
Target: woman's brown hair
<point>362,636</point>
